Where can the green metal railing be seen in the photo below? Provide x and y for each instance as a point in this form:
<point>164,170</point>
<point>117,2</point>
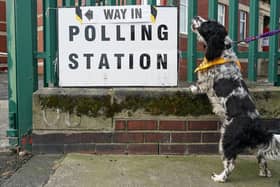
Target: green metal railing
<point>273,43</point>
<point>23,53</point>
<point>253,46</point>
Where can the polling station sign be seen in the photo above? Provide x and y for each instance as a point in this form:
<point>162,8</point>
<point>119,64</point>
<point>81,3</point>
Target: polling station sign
<point>117,46</point>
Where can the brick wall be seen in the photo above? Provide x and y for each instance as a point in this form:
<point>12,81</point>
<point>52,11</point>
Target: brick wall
<point>138,122</point>
<point>152,137</point>
<point>137,137</point>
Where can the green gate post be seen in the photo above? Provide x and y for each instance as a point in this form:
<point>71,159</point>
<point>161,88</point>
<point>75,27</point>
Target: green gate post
<point>131,2</point>
<point>233,21</point>
<point>253,46</point>
<point>50,40</point>
<point>273,43</point>
<point>12,132</point>
<point>67,3</point>
<point>152,2</point>
<point>111,2</point>
<point>170,3</point>
<point>90,2</point>
<point>192,51</point>
<point>21,62</point>
<point>213,9</point>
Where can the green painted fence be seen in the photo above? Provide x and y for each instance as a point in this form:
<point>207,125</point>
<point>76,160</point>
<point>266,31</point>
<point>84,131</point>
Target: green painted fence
<point>23,54</point>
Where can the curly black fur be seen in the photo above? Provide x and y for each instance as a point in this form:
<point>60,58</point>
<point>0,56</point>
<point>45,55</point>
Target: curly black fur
<point>244,132</point>
<point>214,35</point>
<point>239,107</point>
<point>223,87</point>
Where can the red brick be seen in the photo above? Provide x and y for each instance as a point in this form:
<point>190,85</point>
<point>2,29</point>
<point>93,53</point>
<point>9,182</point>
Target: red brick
<point>182,69</point>
<point>53,138</point>
<point>40,20</point>
<point>3,43</point>
<point>48,148</point>
<point>145,149</point>
<point>3,11</point>
<point>93,137</point>
<point>186,137</point>
<point>157,137</point>
<point>173,149</point>
<point>40,41</point>
<point>183,42</point>
<point>59,3</point>
<point>74,138</point>
<point>120,125</point>
<point>3,60</point>
<point>3,27</point>
<point>202,125</point>
<point>128,138</point>
<point>142,125</point>
<point>210,137</point>
<point>203,149</point>
<point>39,7</point>
<point>79,148</point>
<point>172,125</point>
<point>111,148</point>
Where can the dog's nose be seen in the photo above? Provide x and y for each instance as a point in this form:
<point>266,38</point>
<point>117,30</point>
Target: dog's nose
<point>196,18</point>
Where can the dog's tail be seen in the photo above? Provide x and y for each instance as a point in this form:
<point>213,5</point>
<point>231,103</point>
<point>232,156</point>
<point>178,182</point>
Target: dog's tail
<point>271,150</point>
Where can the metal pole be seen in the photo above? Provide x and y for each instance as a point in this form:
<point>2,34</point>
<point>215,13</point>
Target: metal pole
<point>12,132</point>
<point>68,3</point>
<point>21,63</point>
<point>233,20</point>
<point>50,40</point>
<point>170,3</point>
<point>192,52</point>
<point>90,2</point>
<point>213,9</point>
<point>253,46</point>
<point>152,2</point>
<point>131,2</point>
<point>111,2</point>
<point>273,42</point>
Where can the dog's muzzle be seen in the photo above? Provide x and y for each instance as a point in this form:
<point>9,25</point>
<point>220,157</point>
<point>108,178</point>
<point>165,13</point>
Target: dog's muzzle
<point>196,23</point>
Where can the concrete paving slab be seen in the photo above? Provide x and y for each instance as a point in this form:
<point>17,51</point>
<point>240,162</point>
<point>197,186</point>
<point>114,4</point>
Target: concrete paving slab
<point>159,171</point>
<point>3,124</point>
<point>3,85</point>
<point>35,173</point>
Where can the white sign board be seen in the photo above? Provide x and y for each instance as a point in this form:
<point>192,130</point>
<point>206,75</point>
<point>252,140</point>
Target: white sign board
<point>118,46</point>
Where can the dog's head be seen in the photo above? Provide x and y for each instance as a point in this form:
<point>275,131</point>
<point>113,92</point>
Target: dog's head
<point>213,35</point>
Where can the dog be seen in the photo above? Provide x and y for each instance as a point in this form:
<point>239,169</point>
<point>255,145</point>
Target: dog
<point>219,76</point>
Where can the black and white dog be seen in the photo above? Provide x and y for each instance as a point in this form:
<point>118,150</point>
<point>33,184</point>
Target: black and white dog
<point>231,101</point>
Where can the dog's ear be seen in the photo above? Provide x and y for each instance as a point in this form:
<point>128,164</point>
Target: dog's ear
<point>215,47</point>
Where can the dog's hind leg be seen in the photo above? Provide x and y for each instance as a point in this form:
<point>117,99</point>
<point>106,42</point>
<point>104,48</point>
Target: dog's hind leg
<point>271,151</point>
<point>264,171</point>
<point>228,168</point>
<point>222,132</point>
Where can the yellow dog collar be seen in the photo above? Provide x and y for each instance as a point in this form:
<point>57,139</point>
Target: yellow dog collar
<point>208,64</point>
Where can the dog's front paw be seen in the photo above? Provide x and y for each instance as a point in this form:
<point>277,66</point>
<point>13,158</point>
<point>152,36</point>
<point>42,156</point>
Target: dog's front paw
<point>194,89</point>
<point>218,178</point>
<point>265,173</point>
